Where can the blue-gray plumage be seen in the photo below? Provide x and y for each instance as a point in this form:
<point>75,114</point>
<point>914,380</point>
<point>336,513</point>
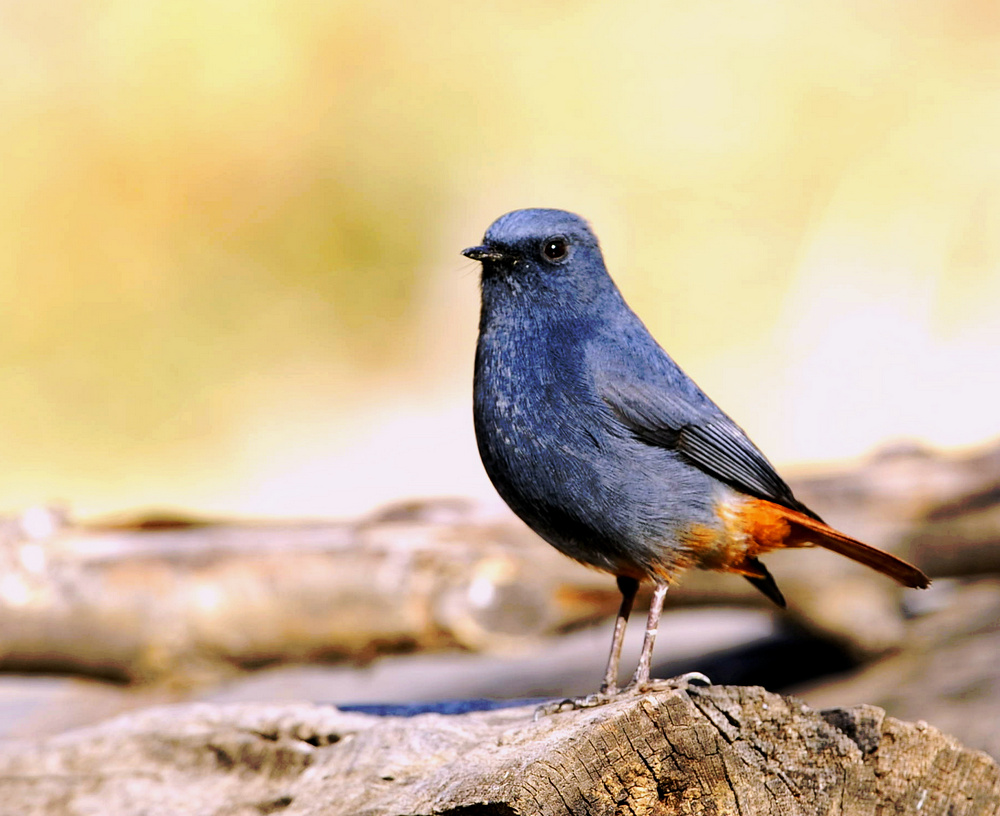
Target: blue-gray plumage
<point>603,445</point>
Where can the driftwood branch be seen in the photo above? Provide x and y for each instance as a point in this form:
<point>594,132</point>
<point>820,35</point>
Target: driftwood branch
<point>716,750</point>
<point>155,599</point>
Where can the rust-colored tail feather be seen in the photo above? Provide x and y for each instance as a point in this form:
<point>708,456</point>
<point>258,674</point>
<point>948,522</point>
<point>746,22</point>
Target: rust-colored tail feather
<point>806,530</point>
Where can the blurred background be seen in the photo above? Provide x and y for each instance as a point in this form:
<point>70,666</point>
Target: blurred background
<point>232,232</point>
<point>232,229</point>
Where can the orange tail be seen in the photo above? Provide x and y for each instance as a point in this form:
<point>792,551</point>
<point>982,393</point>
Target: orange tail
<point>803,531</point>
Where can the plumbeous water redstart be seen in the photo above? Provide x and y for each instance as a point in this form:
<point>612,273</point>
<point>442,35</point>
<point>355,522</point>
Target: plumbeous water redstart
<point>604,447</point>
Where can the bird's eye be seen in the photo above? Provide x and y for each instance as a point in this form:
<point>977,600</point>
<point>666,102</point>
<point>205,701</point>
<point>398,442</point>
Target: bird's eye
<point>555,248</point>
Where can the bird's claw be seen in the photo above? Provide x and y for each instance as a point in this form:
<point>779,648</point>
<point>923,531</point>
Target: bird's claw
<point>691,679</point>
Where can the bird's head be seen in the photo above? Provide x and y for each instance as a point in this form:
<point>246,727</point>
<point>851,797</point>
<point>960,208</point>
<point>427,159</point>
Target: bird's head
<point>539,251</point>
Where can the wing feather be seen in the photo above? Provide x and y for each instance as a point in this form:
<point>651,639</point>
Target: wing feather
<point>685,420</point>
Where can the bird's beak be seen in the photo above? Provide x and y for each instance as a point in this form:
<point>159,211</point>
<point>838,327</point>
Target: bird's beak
<point>483,253</point>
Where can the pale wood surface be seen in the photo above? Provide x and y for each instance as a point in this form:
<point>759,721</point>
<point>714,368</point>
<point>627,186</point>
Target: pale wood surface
<point>717,750</point>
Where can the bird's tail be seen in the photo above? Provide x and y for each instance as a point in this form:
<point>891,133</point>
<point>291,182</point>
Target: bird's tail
<point>804,531</point>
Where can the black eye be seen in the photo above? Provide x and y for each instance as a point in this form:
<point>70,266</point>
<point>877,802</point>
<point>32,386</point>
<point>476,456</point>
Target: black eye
<point>555,248</point>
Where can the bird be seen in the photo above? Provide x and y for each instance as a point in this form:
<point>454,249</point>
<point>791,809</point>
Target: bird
<point>602,445</point>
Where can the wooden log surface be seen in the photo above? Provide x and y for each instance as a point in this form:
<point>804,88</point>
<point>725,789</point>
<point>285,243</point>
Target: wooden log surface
<point>739,751</point>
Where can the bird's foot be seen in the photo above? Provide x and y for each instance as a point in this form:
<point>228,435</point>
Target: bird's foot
<point>610,695</point>
<point>680,681</point>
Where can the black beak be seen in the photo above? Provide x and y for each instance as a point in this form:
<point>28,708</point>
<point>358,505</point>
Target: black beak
<point>483,253</point>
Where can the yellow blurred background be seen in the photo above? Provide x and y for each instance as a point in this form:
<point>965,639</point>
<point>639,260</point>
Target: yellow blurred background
<point>230,230</point>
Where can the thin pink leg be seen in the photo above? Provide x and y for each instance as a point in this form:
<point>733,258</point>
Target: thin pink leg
<point>628,587</point>
<point>641,675</point>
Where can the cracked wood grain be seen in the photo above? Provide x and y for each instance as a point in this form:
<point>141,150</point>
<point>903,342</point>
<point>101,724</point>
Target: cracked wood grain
<point>724,751</point>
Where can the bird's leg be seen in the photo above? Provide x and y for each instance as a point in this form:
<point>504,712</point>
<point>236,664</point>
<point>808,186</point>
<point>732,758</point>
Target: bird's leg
<point>609,688</point>
<point>641,676</point>
<point>628,587</point>
<point>639,683</point>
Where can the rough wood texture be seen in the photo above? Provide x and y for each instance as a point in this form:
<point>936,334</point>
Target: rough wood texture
<point>719,750</point>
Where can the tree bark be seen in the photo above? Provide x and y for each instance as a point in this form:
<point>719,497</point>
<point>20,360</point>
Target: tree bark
<point>676,750</point>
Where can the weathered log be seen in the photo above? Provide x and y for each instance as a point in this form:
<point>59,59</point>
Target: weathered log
<point>168,598</point>
<point>687,750</point>
<point>204,600</point>
<point>156,599</point>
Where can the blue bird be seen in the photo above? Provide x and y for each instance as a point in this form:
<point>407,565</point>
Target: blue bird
<point>596,438</point>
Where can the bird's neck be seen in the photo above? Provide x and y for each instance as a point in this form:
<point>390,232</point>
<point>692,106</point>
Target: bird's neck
<point>527,309</point>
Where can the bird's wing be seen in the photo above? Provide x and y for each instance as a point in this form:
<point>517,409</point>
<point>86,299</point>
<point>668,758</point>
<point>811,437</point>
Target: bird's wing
<point>694,427</point>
